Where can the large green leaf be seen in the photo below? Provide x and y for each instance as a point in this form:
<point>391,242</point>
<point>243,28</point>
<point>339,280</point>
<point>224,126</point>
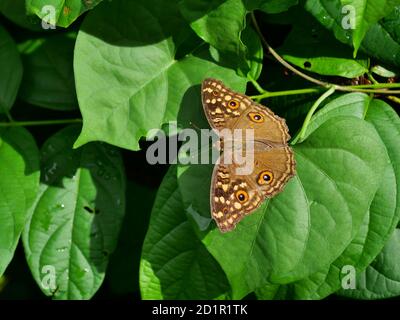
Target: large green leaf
<point>381,39</point>
<point>48,79</point>
<point>77,215</point>
<point>384,212</point>
<point>381,279</point>
<point>129,79</point>
<point>11,70</point>
<point>66,12</point>
<point>19,181</point>
<point>175,264</point>
<point>318,214</point>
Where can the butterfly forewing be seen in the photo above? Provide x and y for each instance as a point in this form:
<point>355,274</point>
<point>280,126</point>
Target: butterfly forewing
<point>225,108</point>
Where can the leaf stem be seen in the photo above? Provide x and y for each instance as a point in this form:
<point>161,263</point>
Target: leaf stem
<point>38,123</point>
<point>269,94</point>
<point>392,98</point>
<point>303,130</point>
<point>312,79</point>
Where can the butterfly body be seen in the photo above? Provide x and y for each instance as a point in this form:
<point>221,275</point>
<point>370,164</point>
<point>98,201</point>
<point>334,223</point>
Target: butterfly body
<point>234,195</point>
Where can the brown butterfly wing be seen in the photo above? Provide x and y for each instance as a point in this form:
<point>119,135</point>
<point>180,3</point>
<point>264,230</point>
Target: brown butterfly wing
<point>220,114</point>
<point>274,162</point>
<point>227,210</point>
<point>273,168</point>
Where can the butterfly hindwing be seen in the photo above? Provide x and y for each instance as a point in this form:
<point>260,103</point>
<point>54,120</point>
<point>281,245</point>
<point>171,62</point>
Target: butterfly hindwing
<point>227,205</point>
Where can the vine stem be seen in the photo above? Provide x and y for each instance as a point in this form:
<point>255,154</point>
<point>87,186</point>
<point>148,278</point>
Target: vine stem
<point>310,113</point>
<point>269,94</point>
<point>392,98</point>
<point>38,123</point>
<point>311,79</point>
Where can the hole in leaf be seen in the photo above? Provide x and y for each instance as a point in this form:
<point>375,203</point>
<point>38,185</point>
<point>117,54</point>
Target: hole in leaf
<point>307,64</point>
<point>90,210</point>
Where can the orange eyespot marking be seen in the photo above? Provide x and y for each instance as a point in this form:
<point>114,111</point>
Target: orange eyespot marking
<point>215,93</point>
<point>265,177</point>
<point>233,104</point>
<point>242,196</point>
<point>256,117</point>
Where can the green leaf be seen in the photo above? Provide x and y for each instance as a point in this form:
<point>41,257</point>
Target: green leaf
<point>376,37</point>
<point>128,77</point>
<point>222,24</point>
<point>77,215</point>
<point>254,55</point>
<point>383,72</point>
<point>123,271</point>
<point>66,12</point>
<point>175,264</point>
<point>219,23</point>
<point>386,201</point>
<point>367,13</point>
<point>48,79</point>
<point>339,168</point>
<point>383,214</point>
<point>382,41</point>
<point>11,71</point>
<point>381,279</point>
<point>315,49</point>
<point>19,181</point>
<point>15,11</point>
<point>385,210</point>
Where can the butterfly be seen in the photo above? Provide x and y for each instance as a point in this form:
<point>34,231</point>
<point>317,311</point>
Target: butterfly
<point>234,196</point>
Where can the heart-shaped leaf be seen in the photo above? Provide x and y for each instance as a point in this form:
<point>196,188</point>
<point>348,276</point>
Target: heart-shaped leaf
<point>339,168</point>
<point>76,218</point>
<point>143,82</point>
<point>383,214</point>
